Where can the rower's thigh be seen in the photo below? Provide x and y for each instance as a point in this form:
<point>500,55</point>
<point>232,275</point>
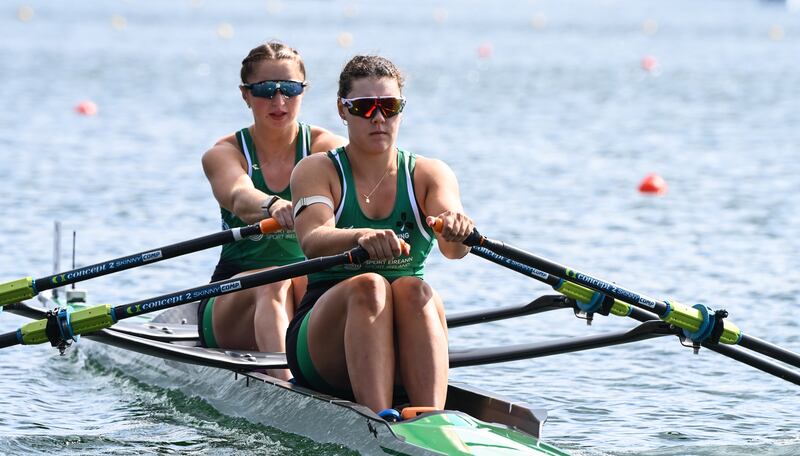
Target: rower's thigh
<point>232,320</point>
<point>326,325</point>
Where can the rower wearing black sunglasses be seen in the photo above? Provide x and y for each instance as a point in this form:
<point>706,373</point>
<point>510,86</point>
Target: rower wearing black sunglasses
<point>358,329</point>
<point>249,175</point>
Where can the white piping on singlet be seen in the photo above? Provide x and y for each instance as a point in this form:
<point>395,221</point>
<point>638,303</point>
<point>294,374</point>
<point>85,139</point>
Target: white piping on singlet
<point>246,155</point>
<point>413,199</point>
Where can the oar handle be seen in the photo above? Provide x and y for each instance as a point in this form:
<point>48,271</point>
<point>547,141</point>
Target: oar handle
<point>269,225</point>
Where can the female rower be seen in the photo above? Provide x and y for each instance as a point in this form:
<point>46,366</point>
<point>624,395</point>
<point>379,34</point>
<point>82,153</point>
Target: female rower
<point>358,329</point>
<point>249,174</point>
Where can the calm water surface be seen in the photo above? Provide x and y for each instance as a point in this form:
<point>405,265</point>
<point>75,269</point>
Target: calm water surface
<point>549,133</point>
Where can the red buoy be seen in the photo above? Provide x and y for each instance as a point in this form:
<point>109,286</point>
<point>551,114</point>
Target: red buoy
<point>649,63</point>
<point>485,51</point>
<point>653,184</point>
<point>86,108</point>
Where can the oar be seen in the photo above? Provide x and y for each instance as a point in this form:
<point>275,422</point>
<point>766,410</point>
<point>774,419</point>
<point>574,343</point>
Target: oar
<point>491,355</point>
<point>699,323</point>
<point>63,325</point>
<point>588,300</point>
<point>541,304</point>
<point>22,289</point>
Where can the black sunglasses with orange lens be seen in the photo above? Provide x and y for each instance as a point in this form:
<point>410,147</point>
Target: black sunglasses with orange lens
<point>366,107</point>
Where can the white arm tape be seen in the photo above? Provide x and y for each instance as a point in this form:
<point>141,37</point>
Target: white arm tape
<point>303,203</point>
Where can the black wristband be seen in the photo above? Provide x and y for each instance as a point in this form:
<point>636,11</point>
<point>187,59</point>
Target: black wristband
<point>268,204</point>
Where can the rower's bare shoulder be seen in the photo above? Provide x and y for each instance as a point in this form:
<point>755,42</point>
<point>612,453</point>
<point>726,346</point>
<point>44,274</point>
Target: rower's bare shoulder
<point>227,146</point>
<point>224,159</point>
<point>323,140</point>
<point>312,167</point>
<point>428,169</point>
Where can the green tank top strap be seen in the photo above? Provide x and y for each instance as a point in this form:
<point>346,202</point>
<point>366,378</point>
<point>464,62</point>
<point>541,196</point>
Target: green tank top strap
<point>303,148</point>
<point>406,220</point>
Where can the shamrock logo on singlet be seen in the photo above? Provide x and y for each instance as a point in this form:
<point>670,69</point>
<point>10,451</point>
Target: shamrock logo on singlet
<point>404,224</point>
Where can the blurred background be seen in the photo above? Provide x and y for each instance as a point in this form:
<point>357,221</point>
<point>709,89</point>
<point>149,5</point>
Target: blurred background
<point>552,114</point>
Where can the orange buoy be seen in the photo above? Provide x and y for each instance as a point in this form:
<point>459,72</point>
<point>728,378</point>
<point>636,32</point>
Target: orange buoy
<point>25,13</point>
<point>345,39</point>
<point>86,108</point>
<point>649,63</point>
<point>653,184</point>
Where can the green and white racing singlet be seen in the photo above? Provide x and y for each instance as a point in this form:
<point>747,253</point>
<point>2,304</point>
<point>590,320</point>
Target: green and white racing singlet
<point>405,220</point>
<point>274,249</point>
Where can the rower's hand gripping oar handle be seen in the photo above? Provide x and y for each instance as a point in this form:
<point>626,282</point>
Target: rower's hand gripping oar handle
<point>474,238</point>
<point>26,288</point>
<point>62,326</point>
<point>269,225</point>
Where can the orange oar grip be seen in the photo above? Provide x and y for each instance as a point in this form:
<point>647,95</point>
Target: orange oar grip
<point>437,225</point>
<point>269,225</point>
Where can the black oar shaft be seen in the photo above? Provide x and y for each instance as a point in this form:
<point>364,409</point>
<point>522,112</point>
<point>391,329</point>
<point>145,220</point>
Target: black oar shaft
<point>769,349</point>
<point>63,325</point>
<point>8,339</point>
<point>239,283</point>
<point>515,265</point>
<point>580,278</point>
<point>750,359</point>
<point>569,289</point>
<point>647,330</point>
<point>541,304</point>
<point>152,256</point>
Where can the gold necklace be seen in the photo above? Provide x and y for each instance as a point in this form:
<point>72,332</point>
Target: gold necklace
<point>367,195</point>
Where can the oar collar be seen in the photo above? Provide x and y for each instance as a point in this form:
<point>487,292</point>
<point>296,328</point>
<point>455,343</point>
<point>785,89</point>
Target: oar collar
<point>711,326</point>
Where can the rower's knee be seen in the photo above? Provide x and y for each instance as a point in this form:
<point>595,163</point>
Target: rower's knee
<point>413,295</point>
<point>271,299</point>
<point>369,292</point>
<point>276,290</point>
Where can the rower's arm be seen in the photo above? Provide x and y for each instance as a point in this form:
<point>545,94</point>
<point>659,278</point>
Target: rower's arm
<point>226,171</point>
<point>315,224</point>
<point>437,187</point>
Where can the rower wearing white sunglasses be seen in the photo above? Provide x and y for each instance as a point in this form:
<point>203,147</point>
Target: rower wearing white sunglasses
<point>359,329</point>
